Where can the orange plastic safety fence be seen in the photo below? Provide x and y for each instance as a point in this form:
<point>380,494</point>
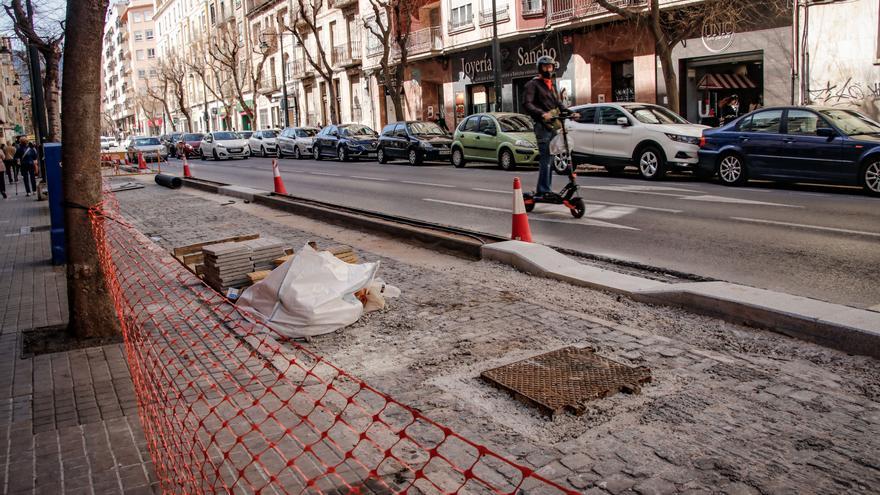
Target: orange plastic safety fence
<point>227,408</point>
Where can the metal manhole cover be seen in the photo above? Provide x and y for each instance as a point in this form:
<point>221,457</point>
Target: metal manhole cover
<point>567,379</point>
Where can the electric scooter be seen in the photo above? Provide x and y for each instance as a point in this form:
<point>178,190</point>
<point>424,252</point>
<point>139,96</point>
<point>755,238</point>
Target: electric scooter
<point>568,196</point>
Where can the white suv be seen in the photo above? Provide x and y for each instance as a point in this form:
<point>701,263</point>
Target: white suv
<point>648,136</point>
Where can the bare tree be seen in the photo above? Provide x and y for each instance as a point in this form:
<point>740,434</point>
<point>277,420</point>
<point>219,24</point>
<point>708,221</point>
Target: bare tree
<point>391,24</point>
<point>229,55</point>
<point>48,39</point>
<point>207,69</point>
<point>304,17</point>
<point>670,27</point>
<point>170,88</point>
<point>91,309</point>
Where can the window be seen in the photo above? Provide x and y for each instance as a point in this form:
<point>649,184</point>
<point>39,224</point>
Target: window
<point>400,131</point>
<point>142,73</point>
<point>153,73</point>
<point>139,54</point>
<point>609,115</point>
<point>802,123</point>
<point>470,125</point>
<point>588,115</point>
<point>461,16</point>
<point>138,36</point>
<point>151,53</point>
<point>212,11</point>
<point>763,122</point>
<point>487,126</point>
<point>149,34</point>
<point>137,17</point>
<point>388,130</point>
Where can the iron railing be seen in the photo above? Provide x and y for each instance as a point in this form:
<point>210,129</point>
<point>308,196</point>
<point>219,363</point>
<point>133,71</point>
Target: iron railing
<point>567,10</point>
<point>347,54</point>
<point>532,7</point>
<point>502,14</point>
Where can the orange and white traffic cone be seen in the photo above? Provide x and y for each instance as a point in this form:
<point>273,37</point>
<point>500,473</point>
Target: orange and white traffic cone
<point>520,230</point>
<point>279,184</point>
<point>142,164</point>
<point>186,172</point>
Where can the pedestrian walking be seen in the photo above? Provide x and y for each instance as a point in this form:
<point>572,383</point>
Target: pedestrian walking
<point>9,162</point>
<point>2,169</point>
<point>29,168</point>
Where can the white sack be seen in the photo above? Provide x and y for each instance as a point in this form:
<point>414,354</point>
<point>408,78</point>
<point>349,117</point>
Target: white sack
<point>557,145</point>
<point>310,294</point>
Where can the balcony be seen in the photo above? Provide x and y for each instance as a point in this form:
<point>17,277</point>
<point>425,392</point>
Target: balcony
<point>268,85</point>
<point>347,55</point>
<point>461,25</point>
<point>503,14</point>
<point>253,6</point>
<point>341,4</point>
<point>532,8</point>
<point>568,10</point>
<point>301,69</point>
<point>427,40</point>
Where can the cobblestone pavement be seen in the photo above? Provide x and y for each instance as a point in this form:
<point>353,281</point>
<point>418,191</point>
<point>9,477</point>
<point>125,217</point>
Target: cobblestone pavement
<point>68,420</point>
<point>730,410</point>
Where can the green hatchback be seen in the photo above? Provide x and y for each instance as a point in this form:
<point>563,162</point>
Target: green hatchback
<point>503,138</point>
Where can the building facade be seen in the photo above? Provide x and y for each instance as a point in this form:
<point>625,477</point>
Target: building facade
<point>12,110</point>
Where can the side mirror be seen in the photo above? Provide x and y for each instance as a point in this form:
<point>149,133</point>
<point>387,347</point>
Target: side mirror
<point>826,132</point>
<point>623,121</point>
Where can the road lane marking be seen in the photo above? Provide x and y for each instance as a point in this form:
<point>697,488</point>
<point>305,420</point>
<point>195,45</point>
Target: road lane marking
<point>649,208</point>
<point>722,199</point>
<point>325,173</point>
<point>370,178</point>
<point>804,226</point>
<point>533,217</point>
<point>431,184</point>
<point>491,190</point>
<point>633,191</point>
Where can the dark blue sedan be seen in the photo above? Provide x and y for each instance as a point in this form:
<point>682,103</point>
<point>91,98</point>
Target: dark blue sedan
<point>795,144</point>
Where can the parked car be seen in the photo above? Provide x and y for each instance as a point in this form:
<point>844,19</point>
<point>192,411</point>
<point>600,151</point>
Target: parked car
<point>189,144</point>
<point>616,135</point>
<point>245,134</point>
<point>503,138</point>
<point>151,147</point>
<point>296,141</point>
<point>345,142</point>
<point>415,142</point>
<point>170,142</point>
<point>795,144</point>
<point>263,143</point>
<point>108,142</point>
<point>224,145</point>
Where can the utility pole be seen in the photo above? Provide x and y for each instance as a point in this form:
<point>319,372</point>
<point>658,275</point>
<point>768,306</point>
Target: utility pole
<point>496,58</point>
<point>283,80</point>
<point>205,96</point>
<point>41,126</point>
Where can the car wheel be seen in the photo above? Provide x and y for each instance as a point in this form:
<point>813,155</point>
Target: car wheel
<point>561,163</point>
<point>651,163</point>
<point>579,207</point>
<point>615,169</point>
<point>732,171</point>
<point>342,154</point>
<point>506,160</point>
<point>215,156</point>
<point>380,156</point>
<point>316,152</point>
<point>202,154</point>
<point>871,178</point>
<point>414,157</point>
<point>263,151</point>
<point>458,160</point>
<point>297,153</point>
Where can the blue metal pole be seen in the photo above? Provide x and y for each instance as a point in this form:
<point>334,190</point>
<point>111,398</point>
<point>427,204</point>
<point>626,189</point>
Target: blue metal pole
<point>52,152</point>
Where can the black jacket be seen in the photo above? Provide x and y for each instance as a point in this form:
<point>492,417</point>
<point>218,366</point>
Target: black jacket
<point>539,99</point>
<point>19,151</point>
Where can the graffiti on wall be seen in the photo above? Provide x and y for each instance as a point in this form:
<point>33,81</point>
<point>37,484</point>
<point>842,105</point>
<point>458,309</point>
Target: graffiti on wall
<point>847,93</point>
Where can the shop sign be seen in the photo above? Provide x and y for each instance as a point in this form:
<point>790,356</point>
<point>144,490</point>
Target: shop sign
<point>718,35</point>
<point>518,60</point>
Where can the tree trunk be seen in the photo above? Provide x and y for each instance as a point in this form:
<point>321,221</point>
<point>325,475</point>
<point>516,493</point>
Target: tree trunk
<point>396,90</point>
<point>52,95</point>
<point>669,75</point>
<point>91,310</point>
<point>331,95</point>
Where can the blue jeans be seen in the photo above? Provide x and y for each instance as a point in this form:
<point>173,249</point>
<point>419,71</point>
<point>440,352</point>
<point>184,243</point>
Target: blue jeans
<point>545,160</point>
<point>30,181</point>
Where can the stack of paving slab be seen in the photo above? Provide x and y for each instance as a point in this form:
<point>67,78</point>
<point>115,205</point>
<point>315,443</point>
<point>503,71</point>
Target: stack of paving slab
<point>264,251</point>
<point>227,265</point>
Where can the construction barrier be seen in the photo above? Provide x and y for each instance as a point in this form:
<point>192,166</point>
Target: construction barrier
<point>227,406</point>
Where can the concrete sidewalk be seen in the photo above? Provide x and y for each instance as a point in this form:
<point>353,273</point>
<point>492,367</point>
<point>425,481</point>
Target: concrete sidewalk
<point>68,420</point>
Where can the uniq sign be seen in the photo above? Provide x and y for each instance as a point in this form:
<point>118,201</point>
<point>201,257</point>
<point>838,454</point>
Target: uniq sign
<point>718,35</point>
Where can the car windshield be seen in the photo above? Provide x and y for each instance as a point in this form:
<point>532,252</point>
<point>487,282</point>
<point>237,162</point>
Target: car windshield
<point>193,137</point>
<point>226,136</point>
<point>426,129</point>
<point>515,123</point>
<point>650,114</point>
<point>146,141</point>
<point>851,123</point>
<point>356,130</point>
<point>307,132</point>
<point>269,134</point>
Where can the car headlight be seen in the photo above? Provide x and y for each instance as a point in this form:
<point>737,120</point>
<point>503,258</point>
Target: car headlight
<point>426,145</point>
<point>221,145</point>
<point>683,139</point>
<point>522,143</point>
<point>352,144</point>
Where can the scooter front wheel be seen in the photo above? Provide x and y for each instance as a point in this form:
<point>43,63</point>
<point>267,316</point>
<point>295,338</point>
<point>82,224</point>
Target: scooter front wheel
<point>530,207</point>
<point>578,207</point>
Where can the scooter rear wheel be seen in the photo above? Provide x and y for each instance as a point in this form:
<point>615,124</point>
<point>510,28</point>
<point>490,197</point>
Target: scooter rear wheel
<point>579,207</point>
<point>530,207</point>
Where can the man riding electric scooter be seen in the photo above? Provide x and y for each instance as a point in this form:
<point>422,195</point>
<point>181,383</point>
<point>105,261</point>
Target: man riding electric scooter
<point>542,103</point>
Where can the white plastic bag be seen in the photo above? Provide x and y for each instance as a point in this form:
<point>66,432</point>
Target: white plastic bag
<point>310,294</point>
<point>376,294</point>
<point>557,145</point>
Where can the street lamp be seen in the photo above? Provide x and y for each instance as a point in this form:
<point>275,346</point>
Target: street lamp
<point>264,46</point>
<point>205,98</point>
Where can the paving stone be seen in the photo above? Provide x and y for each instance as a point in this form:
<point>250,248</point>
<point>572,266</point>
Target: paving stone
<point>655,486</point>
<point>577,462</point>
<point>617,483</point>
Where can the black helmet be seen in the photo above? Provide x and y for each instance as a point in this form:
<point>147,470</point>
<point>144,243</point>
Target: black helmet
<point>544,60</point>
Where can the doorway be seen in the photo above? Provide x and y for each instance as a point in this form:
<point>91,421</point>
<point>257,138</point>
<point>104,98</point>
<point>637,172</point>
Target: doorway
<point>623,86</point>
<point>481,98</point>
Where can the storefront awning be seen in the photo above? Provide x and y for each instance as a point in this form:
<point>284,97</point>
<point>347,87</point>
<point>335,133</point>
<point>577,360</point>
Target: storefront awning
<point>725,81</point>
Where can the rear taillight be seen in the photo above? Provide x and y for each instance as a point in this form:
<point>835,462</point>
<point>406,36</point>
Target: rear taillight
<point>702,141</point>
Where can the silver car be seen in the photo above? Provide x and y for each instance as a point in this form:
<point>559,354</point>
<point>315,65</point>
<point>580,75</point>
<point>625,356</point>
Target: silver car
<point>296,141</point>
<point>263,143</point>
<point>224,145</point>
<point>150,147</point>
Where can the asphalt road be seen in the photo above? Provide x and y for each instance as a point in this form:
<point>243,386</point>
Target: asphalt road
<point>815,241</point>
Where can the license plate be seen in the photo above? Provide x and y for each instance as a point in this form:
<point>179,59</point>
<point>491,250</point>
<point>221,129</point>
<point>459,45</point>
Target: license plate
<point>445,152</point>
<point>235,150</point>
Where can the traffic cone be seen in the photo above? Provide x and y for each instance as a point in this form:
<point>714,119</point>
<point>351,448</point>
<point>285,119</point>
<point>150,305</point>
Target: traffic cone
<point>186,172</point>
<point>142,164</point>
<point>279,184</point>
<point>520,230</point>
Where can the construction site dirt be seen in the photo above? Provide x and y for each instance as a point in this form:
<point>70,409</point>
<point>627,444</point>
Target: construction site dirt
<point>729,409</point>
